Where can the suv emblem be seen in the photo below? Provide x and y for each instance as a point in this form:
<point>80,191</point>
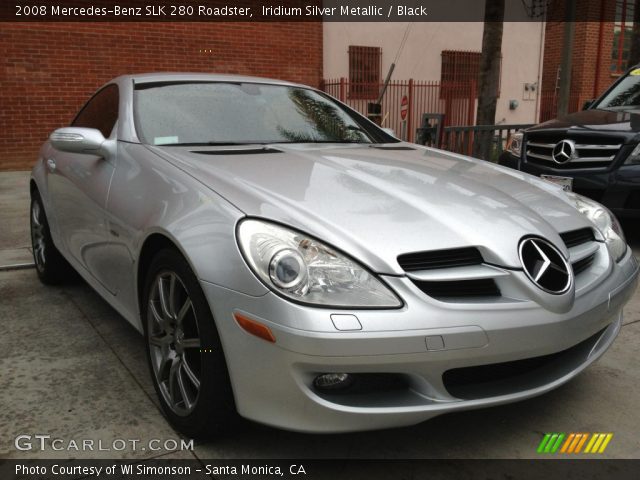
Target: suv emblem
<point>564,151</point>
<point>545,266</point>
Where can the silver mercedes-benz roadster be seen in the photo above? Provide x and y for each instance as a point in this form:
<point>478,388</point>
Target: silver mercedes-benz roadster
<point>288,260</point>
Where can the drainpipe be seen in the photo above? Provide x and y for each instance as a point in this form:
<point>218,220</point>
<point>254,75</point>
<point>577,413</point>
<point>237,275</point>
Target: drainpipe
<point>596,84</point>
<point>539,77</point>
<point>567,52</point>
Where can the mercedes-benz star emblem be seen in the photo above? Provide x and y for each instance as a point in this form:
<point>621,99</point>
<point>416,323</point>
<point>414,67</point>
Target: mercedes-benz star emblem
<point>564,151</point>
<point>545,266</point>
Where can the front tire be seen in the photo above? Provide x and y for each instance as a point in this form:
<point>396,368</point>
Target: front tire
<point>184,352</point>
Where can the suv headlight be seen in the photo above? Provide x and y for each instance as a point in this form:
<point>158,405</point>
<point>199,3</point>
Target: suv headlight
<point>605,222</point>
<point>306,270</point>
<point>514,144</point>
<point>634,157</point>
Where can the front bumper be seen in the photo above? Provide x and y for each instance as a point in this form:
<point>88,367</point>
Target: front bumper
<point>617,189</point>
<point>273,383</point>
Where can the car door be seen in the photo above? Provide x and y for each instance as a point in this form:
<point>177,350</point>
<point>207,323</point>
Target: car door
<point>79,185</point>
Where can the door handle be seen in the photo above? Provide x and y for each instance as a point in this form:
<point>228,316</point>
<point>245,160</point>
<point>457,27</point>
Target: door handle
<point>51,163</point>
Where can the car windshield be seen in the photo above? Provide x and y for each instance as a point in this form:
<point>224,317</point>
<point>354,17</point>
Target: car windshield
<point>240,113</point>
<point>625,94</point>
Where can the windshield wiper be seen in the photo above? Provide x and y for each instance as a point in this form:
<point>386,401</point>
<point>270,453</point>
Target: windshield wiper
<point>211,143</point>
<point>323,141</point>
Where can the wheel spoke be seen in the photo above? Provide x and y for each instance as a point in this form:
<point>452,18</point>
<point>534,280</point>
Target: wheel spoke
<point>160,319</point>
<point>163,365</point>
<point>190,374</point>
<point>164,298</point>
<point>35,214</point>
<point>171,304</point>
<point>173,380</point>
<point>160,340</point>
<point>183,389</point>
<point>183,311</point>
<point>191,343</point>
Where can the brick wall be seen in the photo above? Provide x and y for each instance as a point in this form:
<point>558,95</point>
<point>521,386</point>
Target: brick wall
<point>48,70</point>
<point>591,59</point>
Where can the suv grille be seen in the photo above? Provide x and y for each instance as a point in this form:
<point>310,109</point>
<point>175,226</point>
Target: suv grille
<point>590,151</point>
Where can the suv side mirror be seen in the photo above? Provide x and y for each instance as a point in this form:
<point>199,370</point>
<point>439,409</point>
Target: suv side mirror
<point>587,104</point>
<point>82,140</point>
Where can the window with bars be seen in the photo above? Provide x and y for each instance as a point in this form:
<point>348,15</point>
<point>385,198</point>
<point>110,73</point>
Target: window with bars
<point>460,71</point>
<point>365,65</point>
<point>460,67</point>
<point>622,32</point>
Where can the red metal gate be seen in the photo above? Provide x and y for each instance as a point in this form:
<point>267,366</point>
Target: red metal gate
<point>456,101</point>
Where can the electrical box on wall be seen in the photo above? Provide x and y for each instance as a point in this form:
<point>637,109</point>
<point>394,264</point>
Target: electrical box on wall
<point>529,91</point>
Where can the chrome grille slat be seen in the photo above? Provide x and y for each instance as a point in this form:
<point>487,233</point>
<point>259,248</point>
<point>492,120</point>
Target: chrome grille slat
<point>540,156</point>
<point>575,160</point>
<point>541,145</point>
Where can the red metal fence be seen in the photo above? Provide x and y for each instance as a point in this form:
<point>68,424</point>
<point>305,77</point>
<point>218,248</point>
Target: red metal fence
<point>456,101</point>
<point>549,105</point>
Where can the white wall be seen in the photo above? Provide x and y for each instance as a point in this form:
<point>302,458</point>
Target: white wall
<point>421,60</point>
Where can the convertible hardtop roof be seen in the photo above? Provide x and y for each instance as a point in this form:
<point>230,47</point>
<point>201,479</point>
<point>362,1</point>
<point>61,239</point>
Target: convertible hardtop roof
<point>163,77</point>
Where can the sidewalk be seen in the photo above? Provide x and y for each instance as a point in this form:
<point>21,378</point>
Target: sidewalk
<point>15,244</point>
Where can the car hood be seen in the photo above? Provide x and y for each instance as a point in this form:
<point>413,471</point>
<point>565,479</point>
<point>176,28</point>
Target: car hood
<point>627,121</point>
<point>378,203</point>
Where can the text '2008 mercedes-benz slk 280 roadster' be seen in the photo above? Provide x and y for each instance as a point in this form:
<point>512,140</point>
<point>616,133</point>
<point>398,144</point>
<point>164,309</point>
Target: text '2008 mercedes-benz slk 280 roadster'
<point>288,260</point>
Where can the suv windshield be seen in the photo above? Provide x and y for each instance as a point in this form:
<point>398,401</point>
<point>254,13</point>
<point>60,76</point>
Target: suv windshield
<point>240,113</point>
<point>624,94</point>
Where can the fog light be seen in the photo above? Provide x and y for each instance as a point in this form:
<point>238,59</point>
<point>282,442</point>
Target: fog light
<point>333,381</point>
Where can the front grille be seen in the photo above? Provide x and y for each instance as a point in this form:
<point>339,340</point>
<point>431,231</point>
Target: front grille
<point>457,257</point>
<point>581,265</point>
<point>485,287</point>
<point>577,237</point>
<point>451,288</point>
<point>591,151</point>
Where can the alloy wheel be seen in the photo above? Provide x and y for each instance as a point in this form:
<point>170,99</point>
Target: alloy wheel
<point>174,343</point>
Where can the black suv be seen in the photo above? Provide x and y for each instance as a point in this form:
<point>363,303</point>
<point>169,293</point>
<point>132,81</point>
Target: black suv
<point>595,152</point>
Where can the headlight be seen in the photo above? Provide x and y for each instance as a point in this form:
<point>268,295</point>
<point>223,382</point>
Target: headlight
<point>514,144</point>
<point>634,157</point>
<point>307,270</point>
<point>605,222</point>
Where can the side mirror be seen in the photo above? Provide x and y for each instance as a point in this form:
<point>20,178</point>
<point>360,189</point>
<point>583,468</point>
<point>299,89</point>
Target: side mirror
<point>389,131</point>
<point>587,104</point>
<point>82,140</point>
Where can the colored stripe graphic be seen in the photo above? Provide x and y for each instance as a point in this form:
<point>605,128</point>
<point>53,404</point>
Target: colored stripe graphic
<point>543,443</point>
<point>573,443</point>
<point>551,442</point>
<point>598,442</point>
